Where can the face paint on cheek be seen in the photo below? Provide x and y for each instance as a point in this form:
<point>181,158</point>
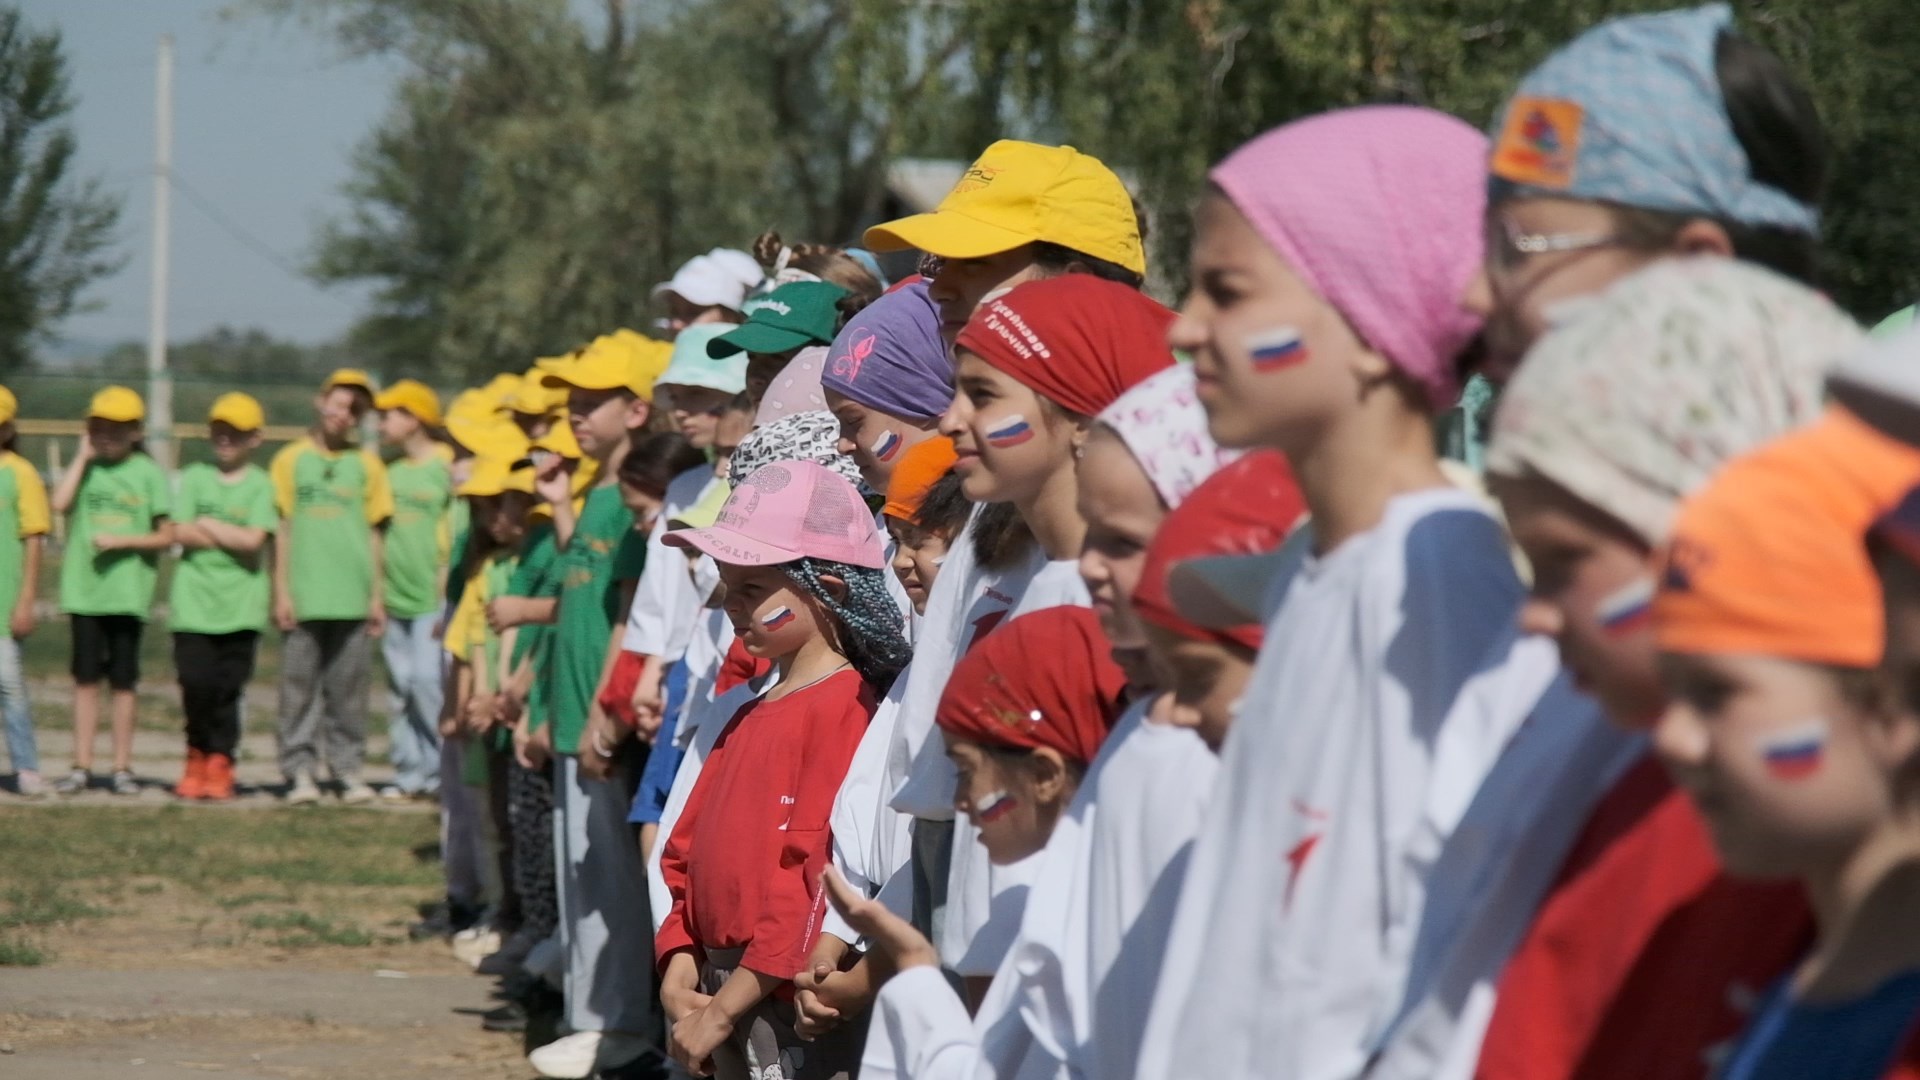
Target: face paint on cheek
<point>1628,609</point>
<point>777,618</point>
<point>1276,350</point>
<point>886,446</point>
<point>1796,753</point>
<point>994,806</point>
<point>1012,431</point>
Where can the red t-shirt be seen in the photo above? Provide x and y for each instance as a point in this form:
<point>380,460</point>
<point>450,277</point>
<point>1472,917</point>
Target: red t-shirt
<point>739,666</point>
<point>745,858</point>
<point>1645,959</point>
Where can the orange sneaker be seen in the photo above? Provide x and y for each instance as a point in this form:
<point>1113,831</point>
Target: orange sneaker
<point>193,783</point>
<point>219,778</point>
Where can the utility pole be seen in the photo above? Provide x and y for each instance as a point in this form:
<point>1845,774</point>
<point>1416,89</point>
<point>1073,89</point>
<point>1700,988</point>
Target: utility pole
<point>159,380</point>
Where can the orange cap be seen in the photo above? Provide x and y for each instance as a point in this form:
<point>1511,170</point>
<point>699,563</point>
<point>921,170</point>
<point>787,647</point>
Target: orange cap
<point>924,463</point>
<point>1770,557</point>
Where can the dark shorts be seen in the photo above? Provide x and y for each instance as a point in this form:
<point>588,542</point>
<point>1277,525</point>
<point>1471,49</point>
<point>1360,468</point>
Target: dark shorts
<point>107,647</point>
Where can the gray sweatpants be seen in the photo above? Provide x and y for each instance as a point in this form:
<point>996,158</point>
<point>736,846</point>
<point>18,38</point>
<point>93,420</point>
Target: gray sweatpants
<point>328,663</point>
<point>605,926</point>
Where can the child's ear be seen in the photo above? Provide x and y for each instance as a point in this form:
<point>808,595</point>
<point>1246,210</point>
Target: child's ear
<point>638,411</point>
<point>1052,780</point>
<point>836,587</point>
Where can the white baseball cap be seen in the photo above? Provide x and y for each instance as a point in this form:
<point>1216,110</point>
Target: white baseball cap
<point>722,277</point>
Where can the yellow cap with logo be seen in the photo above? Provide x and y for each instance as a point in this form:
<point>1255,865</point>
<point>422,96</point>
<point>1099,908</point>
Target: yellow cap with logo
<point>238,411</point>
<point>118,404</point>
<point>535,397</point>
<point>415,397</point>
<point>1018,193</point>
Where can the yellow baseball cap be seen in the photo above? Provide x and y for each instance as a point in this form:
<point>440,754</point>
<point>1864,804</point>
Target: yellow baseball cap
<point>558,440</point>
<point>495,475</point>
<point>1018,193</point>
<point>624,359</point>
<point>414,396</point>
<point>117,403</point>
<point>9,406</point>
<point>347,376</point>
<point>238,411</point>
<point>535,397</point>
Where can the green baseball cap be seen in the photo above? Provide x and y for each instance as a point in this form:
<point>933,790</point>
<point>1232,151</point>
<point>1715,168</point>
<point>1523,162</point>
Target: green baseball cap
<point>790,317</point>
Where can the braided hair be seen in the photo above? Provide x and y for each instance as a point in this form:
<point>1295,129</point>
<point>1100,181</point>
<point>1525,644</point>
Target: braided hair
<point>871,632</point>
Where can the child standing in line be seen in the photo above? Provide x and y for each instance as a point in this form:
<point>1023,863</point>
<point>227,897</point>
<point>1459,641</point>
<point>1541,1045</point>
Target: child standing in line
<point>804,572</point>
<point>329,589</point>
<point>223,520</point>
<point>24,523</point>
<point>116,501</point>
<point>418,542</point>
<point>608,994</point>
<point>1798,754</point>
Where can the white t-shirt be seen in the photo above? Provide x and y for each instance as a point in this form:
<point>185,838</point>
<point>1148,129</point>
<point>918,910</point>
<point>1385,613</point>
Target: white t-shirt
<point>1392,676</point>
<point>665,602</point>
<point>871,840</point>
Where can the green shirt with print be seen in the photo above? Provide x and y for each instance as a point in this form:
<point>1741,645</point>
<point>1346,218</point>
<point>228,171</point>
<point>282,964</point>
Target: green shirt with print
<point>602,553</point>
<point>118,498</point>
<point>331,500</point>
<point>215,591</point>
<point>417,538</point>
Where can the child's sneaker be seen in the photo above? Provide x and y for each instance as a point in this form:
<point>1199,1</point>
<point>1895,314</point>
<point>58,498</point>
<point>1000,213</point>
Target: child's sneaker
<point>31,784</point>
<point>193,780</point>
<point>217,779</point>
<point>355,792</point>
<point>304,791</point>
<point>73,783</point>
<point>124,783</point>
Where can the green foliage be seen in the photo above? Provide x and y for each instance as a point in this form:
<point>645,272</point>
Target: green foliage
<point>540,168</point>
<point>18,951</point>
<point>55,228</point>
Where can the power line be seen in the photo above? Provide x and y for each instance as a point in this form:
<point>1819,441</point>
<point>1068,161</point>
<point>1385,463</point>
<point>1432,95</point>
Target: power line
<point>246,238</point>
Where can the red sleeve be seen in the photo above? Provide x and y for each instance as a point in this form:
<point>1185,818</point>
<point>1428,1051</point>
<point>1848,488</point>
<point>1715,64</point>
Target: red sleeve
<point>675,933</point>
<point>738,667</point>
<point>784,934</point>
<point>616,698</point>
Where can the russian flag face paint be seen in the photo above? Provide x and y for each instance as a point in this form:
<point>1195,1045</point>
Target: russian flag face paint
<point>1277,349</point>
<point>1628,610</point>
<point>1796,753</point>
<point>777,618</point>
<point>1012,431</point>
<point>992,807</point>
<point>887,446</point>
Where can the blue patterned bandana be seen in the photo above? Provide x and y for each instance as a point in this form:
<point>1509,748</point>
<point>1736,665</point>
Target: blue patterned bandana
<point>1630,112</point>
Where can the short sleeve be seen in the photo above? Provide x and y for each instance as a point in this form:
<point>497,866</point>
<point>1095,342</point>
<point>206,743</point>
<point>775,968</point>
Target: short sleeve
<point>282,476</point>
<point>379,489</point>
<point>36,517</point>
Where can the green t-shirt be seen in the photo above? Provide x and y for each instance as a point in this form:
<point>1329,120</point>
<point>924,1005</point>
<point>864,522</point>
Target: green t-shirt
<point>23,513</point>
<point>332,501</point>
<point>121,498</point>
<point>215,591</point>
<point>418,536</point>
<point>599,556</point>
<point>534,577</point>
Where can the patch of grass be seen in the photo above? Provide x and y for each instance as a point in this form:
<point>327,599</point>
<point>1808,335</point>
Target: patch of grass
<point>308,931</point>
<point>252,898</point>
<point>17,951</point>
<point>44,904</point>
<point>149,888</point>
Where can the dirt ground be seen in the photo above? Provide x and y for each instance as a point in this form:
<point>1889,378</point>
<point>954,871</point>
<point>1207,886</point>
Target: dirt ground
<point>180,941</point>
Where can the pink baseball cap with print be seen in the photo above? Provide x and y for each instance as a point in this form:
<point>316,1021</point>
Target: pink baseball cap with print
<point>787,510</point>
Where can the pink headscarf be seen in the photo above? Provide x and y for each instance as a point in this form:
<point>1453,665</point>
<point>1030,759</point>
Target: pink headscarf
<point>1380,210</point>
<point>796,389</point>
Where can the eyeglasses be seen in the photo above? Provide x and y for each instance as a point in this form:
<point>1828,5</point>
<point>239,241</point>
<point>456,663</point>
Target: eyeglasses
<point>1508,246</point>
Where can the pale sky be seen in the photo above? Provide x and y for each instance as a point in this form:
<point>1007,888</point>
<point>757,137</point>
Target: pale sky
<point>266,117</point>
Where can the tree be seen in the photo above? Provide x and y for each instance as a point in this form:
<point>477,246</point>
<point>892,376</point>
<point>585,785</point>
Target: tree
<point>55,229</point>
